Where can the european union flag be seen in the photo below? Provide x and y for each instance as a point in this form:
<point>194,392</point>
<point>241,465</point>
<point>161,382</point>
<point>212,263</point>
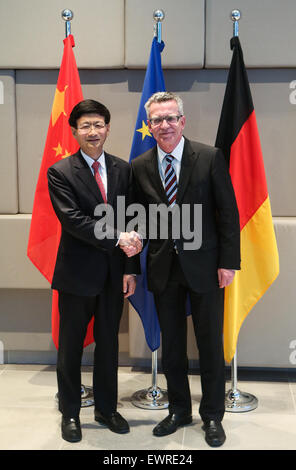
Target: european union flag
<point>142,300</point>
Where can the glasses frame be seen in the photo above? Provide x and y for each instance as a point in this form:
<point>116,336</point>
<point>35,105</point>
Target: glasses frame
<point>87,128</point>
<point>165,118</point>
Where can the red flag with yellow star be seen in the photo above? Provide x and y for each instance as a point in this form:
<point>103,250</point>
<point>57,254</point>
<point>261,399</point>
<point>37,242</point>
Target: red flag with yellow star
<point>45,229</point>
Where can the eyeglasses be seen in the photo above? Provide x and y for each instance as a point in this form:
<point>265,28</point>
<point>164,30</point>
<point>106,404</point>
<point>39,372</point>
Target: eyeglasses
<point>171,119</point>
<point>85,128</point>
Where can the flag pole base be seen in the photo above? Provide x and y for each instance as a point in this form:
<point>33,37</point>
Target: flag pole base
<point>87,397</point>
<point>239,402</point>
<point>152,398</point>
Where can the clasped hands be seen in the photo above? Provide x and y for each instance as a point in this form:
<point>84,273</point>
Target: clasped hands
<point>130,243</point>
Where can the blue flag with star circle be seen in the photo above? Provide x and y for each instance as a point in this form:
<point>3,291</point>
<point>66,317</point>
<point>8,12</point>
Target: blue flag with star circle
<point>142,300</point>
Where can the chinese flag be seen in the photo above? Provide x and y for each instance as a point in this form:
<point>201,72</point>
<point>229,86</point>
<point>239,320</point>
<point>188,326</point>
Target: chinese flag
<point>239,139</point>
<point>45,228</point>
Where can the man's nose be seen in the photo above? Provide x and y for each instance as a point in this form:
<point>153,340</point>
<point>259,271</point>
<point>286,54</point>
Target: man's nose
<point>164,123</point>
<point>93,129</point>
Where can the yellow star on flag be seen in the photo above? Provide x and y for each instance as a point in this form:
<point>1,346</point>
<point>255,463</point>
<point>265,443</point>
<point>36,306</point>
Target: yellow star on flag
<point>58,150</point>
<point>144,131</point>
<point>58,106</point>
<point>67,154</point>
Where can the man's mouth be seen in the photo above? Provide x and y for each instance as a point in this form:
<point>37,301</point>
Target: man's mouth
<point>166,134</point>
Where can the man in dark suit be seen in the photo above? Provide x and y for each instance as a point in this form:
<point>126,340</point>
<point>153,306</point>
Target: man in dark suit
<point>181,173</point>
<point>92,275</point>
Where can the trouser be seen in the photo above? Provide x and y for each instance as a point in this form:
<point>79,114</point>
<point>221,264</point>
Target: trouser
<point>75,314</point>
<point>207,316</point>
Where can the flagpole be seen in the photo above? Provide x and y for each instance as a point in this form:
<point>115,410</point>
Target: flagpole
<point>237,401</point>
<point>67,16</point>
<point>87,398</point>
<point>235,16</point>
<point>153,398</point>
<point>158,16</point>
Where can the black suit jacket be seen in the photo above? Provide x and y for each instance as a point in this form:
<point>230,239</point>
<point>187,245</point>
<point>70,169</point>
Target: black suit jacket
<point>84,261</point>
<point>204,179</point>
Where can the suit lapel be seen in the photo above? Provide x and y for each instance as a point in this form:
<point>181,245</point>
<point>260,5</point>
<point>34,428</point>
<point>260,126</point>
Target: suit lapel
<point>84,173</point>
<point>153,172</point>
<point>189,160</point>
<point>112,177</point>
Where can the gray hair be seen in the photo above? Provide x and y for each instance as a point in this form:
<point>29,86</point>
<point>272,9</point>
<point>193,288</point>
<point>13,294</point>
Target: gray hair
<point>161,97</point>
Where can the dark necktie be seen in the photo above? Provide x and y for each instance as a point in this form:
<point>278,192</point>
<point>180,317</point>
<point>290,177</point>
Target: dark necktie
<point>170,180</point>
<point>98,178</point>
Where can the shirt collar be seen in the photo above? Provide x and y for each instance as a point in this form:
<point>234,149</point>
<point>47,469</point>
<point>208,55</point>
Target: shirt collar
<point>90,160</point>
<point>176,153</point>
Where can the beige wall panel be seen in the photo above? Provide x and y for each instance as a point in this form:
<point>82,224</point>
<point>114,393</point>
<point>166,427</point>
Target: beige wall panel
<point>17,271</point>
<point>266,32</point>
<point>35,93</point>
<point>202,92</point>
<point>25,325</point>
<point>268,335</point>
<point>8,155</point>
<point>183,33</point>
<point>25,328</point>
<point>34,31</point>
<point>34,98</point>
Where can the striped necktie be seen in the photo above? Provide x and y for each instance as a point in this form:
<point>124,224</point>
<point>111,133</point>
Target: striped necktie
<point>170,180</point>
<point>99,180</point>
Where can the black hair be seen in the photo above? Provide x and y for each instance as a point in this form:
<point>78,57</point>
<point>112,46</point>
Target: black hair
<point>88,107</point>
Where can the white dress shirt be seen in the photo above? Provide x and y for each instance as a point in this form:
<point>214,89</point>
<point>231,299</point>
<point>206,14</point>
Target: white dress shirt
<point>176,163</point>
<point>102,167</point>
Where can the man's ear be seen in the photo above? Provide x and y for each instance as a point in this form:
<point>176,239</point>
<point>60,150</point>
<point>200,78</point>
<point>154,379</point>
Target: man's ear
<point>74,131</point>
<point>149,126</point>
<point>183,121</point>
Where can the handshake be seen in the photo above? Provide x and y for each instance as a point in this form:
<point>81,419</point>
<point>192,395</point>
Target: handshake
<point>130,243</point>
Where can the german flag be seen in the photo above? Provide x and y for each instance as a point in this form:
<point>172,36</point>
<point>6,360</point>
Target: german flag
<point>239,139</point>
<point>45,228</point>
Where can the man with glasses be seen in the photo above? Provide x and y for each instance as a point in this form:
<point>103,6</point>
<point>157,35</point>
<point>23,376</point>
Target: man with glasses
<point>92,275</point>
<point>182,172</point>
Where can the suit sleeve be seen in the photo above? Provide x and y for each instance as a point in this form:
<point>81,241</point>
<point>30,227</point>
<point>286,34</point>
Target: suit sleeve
<point>72,219</point>
<point>227,214</point>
